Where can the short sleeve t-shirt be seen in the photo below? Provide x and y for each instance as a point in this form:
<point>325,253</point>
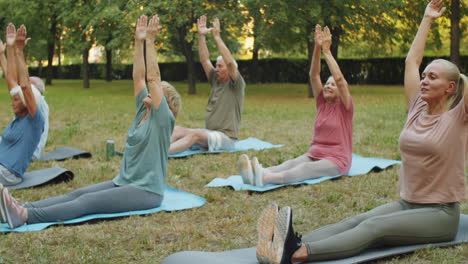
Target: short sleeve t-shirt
<point>19,140</point>
<point>224,108</point>
<point>333,133</point>
<point>145,157</point>
<point>433,149</point>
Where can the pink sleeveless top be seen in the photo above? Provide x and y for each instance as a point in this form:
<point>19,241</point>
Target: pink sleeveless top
<point>333,133</point>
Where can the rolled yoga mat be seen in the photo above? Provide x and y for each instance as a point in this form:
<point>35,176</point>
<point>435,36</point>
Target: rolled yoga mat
<point>44,176</point>
<point>247,255</point>
<point>64,153</point>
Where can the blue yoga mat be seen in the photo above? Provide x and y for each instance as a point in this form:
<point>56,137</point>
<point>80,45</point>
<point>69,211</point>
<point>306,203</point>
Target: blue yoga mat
<point>247,255</point>
<point>360,165</point>
<point>174,200</point>
<point>241,145</point>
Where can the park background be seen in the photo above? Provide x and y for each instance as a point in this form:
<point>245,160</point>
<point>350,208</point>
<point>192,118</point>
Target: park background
<point>272,41</point>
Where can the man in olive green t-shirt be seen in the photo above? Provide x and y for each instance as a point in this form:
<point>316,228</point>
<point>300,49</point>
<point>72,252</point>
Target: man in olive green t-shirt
<point>224,108</point>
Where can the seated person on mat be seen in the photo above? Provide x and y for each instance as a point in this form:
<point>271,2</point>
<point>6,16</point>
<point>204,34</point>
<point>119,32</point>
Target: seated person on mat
<point>432,175</point>
<point>224,108</point>
<point>331,147</point>
<point>37,83</point>
<point>143,171</point>
<point>21,137</point>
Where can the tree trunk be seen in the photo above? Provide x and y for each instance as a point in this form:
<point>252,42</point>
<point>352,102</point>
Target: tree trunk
<point>190,69</point>
<point>59,56</point>
<point>189,59</point>
<point>51,49</point>
<point>85,64</point>
<point>108,65</point>
<point>455,33</point>
<point>310,51</point>
<point>254,70</point>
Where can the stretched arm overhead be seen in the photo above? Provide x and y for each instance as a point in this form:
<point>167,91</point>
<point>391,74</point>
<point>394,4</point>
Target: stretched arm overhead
<point>12,75</point>
<point>340,81</point>
<point>22,69</point>
<point>202,47</point>
<point>415,54</point>
<point>224,51</point>
<point>139,60</point>
<point>3,61</point>
<point>154,75</point>
<point>314,73</point>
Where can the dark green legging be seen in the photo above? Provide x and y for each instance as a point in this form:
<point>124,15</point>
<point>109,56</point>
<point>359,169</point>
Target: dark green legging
<point>392,224</point>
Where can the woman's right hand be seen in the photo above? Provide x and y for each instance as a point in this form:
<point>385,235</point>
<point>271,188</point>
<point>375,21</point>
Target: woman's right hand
<point>326,39</point>
<point>434,9</point>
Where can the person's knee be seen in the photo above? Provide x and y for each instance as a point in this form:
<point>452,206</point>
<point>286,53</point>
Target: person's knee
<point>199,137</point>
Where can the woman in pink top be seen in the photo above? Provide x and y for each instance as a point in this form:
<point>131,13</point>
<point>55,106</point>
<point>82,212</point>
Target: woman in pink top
<point>432,178</point>
<point>331,147</point>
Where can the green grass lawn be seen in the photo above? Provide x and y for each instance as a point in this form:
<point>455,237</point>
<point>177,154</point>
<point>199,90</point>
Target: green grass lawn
<point>278,113</point>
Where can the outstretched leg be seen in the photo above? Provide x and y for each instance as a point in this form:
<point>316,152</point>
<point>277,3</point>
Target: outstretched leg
<point>186,138</point>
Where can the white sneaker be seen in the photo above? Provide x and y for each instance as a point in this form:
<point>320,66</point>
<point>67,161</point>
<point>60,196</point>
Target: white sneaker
<point>245,169</point>
<point>257,172</point>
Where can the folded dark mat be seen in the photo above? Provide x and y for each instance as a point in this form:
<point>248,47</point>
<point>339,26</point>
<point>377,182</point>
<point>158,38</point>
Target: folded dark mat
<point>247,255</point>
<point>65,153</point>
<point>44,176</point>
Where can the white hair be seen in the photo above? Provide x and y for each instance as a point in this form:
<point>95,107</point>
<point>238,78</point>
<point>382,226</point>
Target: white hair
<point>36,81</point>
<point>18,91</point>
<point>220,58</point>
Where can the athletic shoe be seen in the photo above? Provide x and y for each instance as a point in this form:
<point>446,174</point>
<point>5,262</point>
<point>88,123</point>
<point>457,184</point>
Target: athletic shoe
<point>265,229</point>
<point>257,172</point>
<point>245,169</point>
<point>2,213</point>
<point>285,242</point>
<point>2,209</point>
<point>13,212</point>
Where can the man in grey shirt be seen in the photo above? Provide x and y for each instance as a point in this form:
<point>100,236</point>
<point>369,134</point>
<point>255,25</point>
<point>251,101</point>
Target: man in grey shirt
<point>224,108</point>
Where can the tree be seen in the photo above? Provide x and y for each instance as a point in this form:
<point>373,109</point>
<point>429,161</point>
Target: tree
<point>179,18</point>
<point>80,31</point>
<point>112,20</point>
<point>455,32</point>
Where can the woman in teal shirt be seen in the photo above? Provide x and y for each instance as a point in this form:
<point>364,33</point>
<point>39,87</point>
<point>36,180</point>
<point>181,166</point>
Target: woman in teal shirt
<point>143,171</point>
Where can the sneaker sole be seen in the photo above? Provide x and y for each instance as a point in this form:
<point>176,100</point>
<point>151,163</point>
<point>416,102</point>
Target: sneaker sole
<point>282,225</point>
<point>2,208</point>
<point>265,229</point>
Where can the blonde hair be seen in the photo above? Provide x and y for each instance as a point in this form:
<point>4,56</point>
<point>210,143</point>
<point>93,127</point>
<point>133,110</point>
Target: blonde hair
<point>172,97</point>
<point>453,74</point>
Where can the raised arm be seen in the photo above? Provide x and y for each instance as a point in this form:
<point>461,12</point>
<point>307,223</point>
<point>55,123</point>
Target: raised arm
<point>12,75</point>
<point>202,47</point>
<point>224,51</point>
<point>314,73</point>
<point>153,73</point>
<point>22,69</point>
<point>3,61</point>
<point>340,81</point>
<point>415,54</point>
<point>139,59</point>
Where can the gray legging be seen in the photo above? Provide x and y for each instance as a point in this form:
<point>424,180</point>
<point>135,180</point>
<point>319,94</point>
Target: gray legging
<point>300,169</point>
<point>392,224</point>
<point>104,197</point>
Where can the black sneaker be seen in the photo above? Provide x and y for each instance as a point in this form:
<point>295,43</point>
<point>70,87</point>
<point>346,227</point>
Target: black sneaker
<point>285,241</point>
